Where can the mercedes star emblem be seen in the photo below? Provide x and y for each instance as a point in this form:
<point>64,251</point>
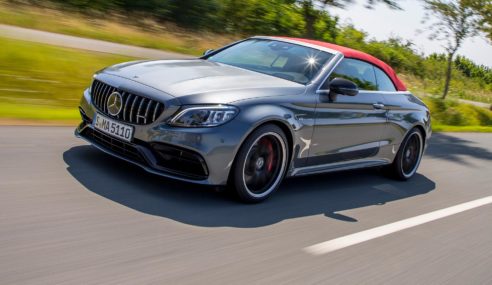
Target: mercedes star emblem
<point>114,103</point>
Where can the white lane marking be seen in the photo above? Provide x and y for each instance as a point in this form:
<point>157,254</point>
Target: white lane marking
<point>353,239</point>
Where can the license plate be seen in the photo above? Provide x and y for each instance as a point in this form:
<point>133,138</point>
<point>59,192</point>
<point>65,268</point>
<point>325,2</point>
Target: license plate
<point>113,128</point>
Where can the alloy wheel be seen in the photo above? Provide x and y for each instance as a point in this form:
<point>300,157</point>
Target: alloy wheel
<point>412,153</point>
<point>264,164</point>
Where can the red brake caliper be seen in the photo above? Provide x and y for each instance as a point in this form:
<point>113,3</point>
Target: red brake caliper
<point>270,155</point>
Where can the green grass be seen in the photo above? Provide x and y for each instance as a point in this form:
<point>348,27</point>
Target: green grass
<point>472,129</point>
<point>38,113</point>
<point>43,82</point>
<point>452,116</point>
<point>452,113</point>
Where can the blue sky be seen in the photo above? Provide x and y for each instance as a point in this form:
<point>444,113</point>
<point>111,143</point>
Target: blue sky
<point>382,22</point>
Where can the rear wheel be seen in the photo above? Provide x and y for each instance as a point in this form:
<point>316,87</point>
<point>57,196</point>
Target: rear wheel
<point>260,164</point>
<point>408,157</point>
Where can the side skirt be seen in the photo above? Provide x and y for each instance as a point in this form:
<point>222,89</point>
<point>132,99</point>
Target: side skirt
<point>348,165</point>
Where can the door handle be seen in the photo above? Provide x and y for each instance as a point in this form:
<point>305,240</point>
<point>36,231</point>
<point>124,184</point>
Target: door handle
<point>378,105</point>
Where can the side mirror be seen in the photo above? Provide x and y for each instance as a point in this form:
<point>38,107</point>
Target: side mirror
<point>208,51</point>
<point>340,86</point>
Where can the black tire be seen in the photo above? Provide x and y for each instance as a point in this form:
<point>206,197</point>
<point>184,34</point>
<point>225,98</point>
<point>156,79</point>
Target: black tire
<point>260,164</point>
<point>409,155</point>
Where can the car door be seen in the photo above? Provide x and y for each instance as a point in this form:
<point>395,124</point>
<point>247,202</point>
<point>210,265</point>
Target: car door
<point>399,106</point>
<point>349,127</point>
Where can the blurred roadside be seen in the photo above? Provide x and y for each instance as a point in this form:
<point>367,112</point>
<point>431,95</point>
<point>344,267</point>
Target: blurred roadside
<point>32,35</point>
<point>41,83</point>
<point>34,98</point>
<point>42,75</point>
<point>131,29</point>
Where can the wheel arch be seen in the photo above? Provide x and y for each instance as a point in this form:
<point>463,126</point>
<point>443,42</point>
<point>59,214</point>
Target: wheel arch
<point>289,134</point>
<point>421,129</point>
<point>282,124</point>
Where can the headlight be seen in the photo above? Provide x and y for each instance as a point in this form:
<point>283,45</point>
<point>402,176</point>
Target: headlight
<point>204,116</point>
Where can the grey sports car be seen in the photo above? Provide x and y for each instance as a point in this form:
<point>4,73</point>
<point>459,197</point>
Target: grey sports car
<point>251,113</point>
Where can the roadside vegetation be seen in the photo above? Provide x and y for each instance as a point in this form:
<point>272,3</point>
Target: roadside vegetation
<point>452,116</point>
<point>183,27</point>
<point>43,82</point>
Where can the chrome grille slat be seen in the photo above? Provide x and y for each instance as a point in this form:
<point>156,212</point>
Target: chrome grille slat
<point>101,103</point>
<point>125,109</point>
<point>101,99</point>
<point>104,100</point>
<point>93,89</point>
<point>147,111</point>
<point>100,91</point>
<point>136,109</point>
<point>139,110</point>
<point>155,111</point>
<point>132,108</point>
<point>99,94</point>
<point>96,91</point>
<point>123,98</point>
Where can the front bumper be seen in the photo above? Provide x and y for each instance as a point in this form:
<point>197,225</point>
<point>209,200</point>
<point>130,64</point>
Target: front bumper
<point>174,162</point>
<point>196,155</point>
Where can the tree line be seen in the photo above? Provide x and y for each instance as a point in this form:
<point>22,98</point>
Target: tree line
<point>471,69</point>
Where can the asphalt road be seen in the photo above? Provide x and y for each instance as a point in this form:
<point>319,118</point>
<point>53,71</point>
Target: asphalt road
<point>70,214</point>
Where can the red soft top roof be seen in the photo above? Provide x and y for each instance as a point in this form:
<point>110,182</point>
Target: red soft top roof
<point>352,53</point>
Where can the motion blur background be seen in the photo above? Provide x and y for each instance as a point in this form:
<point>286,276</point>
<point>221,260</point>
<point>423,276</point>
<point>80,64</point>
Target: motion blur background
<point>41,83</point>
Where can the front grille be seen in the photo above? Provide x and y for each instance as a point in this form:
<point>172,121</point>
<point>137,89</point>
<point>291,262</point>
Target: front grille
<point>120,147</point>
<point>136,109</point>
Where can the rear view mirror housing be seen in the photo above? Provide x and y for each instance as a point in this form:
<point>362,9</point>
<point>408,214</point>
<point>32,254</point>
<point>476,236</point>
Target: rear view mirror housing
<point>340,86</point>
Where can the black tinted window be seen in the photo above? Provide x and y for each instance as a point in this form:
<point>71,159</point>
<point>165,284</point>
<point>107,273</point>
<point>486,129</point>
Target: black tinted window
<point>359,72</point>
<point>384,82</point>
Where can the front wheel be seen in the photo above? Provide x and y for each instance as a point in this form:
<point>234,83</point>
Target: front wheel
<point>260,164</point>
<point>408,157</point>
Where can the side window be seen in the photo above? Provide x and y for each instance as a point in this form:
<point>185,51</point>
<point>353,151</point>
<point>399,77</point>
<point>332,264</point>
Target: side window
<point>357,71</point>
<point>384,82</point>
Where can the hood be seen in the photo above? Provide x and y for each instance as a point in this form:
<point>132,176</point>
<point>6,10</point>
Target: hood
<point>204,81</point>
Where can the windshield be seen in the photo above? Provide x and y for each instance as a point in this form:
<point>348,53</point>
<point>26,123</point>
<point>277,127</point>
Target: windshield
<point>284,60</point>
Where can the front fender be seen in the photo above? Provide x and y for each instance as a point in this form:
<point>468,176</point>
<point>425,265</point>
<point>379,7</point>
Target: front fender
<point>296,121</point>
